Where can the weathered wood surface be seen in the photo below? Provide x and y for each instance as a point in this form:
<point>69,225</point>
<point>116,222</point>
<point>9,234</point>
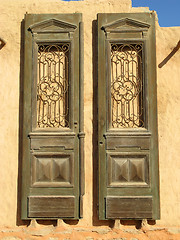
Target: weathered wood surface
<point>129,175</point>
<point>51,206</point>
<point>129,207</point>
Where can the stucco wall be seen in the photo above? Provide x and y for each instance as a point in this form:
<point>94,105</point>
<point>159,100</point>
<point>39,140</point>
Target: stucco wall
<point>12,13</point>
<point>168,80</point>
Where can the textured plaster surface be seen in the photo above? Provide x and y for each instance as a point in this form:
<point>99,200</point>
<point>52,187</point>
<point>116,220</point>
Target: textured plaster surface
<point>95,233</point>
<point>168,82</point>
<point>12,14</point>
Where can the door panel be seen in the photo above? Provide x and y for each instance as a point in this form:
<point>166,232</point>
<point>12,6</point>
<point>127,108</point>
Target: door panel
<point>52,149</point>
<point>127,117</point>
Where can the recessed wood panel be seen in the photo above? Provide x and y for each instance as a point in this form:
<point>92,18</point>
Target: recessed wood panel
<point>118,142</point>
<point>59,140</point>
<point>129,207</point>
<point>52,170</point>
<point>51,206</point>
<point>128,169</point>
<point>124,35</point>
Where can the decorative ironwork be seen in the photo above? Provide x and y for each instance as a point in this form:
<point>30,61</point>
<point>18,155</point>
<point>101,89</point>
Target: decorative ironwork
<point>126,86</point>
<point>53,86</point>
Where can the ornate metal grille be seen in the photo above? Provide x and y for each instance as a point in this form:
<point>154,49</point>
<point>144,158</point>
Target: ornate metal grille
<point>53,86</point>
<point>126,86</point>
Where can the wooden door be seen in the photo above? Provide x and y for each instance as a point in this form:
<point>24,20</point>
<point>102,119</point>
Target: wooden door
<point>52,122</point>
<point>127,117</point>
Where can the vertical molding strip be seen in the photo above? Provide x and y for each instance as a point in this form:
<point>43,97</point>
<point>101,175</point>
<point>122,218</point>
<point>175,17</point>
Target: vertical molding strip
<point>81,115</point>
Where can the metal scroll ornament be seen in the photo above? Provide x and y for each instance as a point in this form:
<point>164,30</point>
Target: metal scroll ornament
<point>53,86</point>
<point>126,86</point>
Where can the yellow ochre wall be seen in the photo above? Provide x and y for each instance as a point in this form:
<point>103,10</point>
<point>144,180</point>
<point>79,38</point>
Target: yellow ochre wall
<point>168,81</point>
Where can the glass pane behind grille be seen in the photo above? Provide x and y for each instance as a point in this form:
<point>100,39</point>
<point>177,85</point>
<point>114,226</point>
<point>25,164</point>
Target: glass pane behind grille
<point>53,86</point>
<point>126,86</point>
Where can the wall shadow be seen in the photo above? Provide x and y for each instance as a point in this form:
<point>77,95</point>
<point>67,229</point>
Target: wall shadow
<point>170,55</point>
<point>2,43</point>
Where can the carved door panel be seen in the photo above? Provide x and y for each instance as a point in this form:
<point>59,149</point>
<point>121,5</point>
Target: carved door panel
<point>52,125</point>
<point>127,121</point>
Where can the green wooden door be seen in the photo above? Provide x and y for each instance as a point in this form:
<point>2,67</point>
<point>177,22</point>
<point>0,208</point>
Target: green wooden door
<point>52,124</point>
<point>127,117</point>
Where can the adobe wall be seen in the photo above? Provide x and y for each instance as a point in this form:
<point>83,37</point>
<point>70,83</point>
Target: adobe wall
<point>168,73</point>
<point>12,14</point>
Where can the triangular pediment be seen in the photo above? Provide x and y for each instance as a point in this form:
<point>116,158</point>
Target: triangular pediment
<point>52,25</point>
<point>125,24</point>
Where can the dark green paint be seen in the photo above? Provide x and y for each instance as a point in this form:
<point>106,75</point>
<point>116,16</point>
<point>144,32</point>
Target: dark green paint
<point>70,33</point>
<point>140,27</point>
